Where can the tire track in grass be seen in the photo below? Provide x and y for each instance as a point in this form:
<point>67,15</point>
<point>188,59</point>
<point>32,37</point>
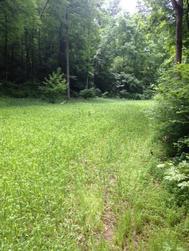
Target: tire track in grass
<point>109,218</point>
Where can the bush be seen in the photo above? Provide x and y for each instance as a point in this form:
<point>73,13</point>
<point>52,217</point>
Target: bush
<point>176,178</point>
<point>88,93</point>
<point>178,173</point>
<point>172,112</point>
<point>147,94</point>
<point>74,94</point>
<point>106,94</point>
<point>11,89</point>
<point>54,86</point>
<point>22,90</point>
<point>172,120</point>
<point>98,92</point>
<point>127,82</point>
<point>126,95</point>
<point>31,89</point>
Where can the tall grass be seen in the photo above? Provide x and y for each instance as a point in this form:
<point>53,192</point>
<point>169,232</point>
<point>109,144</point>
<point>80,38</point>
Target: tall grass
<point>66,168</point>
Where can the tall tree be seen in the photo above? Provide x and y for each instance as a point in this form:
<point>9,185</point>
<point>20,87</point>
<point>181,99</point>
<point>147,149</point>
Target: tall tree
<point>67,52</point>
<point>179,11</point>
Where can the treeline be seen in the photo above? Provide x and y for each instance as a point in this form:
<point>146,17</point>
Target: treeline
<point>172,96</point>
<point>38,36</point>
<point>94,43</point>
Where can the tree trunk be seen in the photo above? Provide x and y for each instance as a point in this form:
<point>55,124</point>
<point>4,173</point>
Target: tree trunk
<point>32,54</point>
<point>179,35</point>
<point>39,49</point>
<point>187,13</point>
<point>67,55</point>
<point>6,47</point>
<point>62,49</point>
<point>87,81</point>
<point>178,7</point>
<point>27,56</point>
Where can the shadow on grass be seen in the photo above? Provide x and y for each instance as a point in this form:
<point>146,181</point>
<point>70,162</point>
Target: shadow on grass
<point>27,102</point>
<point>19,102</point>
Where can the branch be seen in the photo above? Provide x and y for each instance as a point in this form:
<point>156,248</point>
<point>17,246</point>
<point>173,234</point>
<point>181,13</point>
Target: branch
<point>44,8</point>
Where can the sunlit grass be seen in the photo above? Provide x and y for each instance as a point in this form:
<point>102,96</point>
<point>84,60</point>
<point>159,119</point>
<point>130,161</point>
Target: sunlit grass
<point>62,165</point>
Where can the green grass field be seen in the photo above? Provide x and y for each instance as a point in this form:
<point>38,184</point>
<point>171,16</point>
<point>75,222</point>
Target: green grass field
<point>76,177</point>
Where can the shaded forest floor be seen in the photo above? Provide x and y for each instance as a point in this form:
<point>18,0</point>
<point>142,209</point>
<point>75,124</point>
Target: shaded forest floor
<point>76,177</point>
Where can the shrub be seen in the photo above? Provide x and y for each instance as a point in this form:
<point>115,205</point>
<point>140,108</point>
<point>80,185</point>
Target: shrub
<point>147,94</point>
<point>172,112</point>
<point>22,90</point>
<point>106,95</point>
<point>124,94</point>
<point>88,93</point>
<point>31,89</point>
<point>127,95</point>
<point>172,120</point>
<point>74,94</point>
<point>98,92</point>
<point>127,82</point>
<point>176,178</point>
<point>54,86</point>
<point>178,173</point>
<point>11,89</point>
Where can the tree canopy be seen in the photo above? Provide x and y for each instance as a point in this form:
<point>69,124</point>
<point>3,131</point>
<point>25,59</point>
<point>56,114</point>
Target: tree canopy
<point>95,43</point>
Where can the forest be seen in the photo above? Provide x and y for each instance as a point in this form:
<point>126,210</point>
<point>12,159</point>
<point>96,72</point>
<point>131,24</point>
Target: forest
<point>93,43</point>
<point>94,125</point>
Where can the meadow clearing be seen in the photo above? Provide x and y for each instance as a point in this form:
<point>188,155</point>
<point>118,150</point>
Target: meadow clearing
<point>75,176</point>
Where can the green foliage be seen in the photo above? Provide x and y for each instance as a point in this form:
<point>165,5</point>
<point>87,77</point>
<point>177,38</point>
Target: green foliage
<point>106,95</point>
<point>175,176</point>
<point>179,174</point>
<point>32,41</point>
<point>88,93</point>
<point>54,86</point>
<point>104,43</point>
<point>98,92</point>
<point>172,119</point>
<point>126,95</point>
<point>148,93</point>
<point>129,56</point>
<point>28,89</point>
<point>123,94</point>
<point>173,109</point>
<point>127,82</point>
